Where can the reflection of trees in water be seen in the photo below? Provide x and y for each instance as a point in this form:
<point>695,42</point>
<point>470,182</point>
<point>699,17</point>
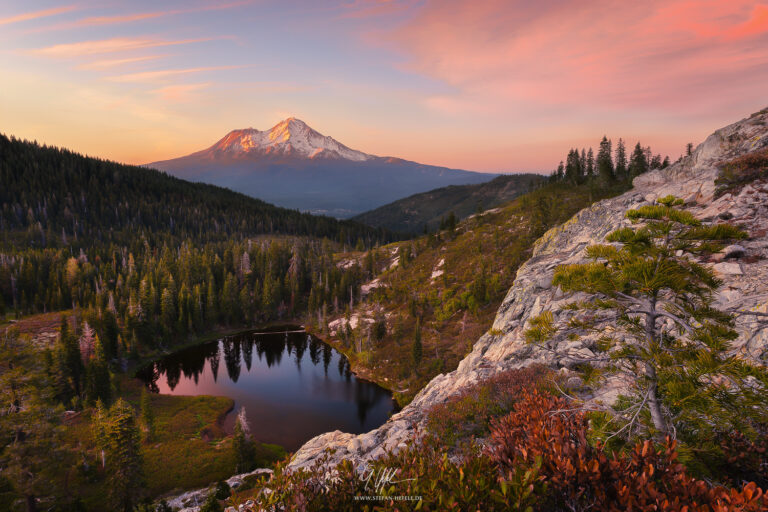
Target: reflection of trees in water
<point>247,352</point>
<point>172,375</point>
<point>149,374</point>
<point>314,350</point>
<point>232,358</point>
<point>364,396</point>
<point>271,351</point>
<point>215,363</point>
<point>299,347</point>
<point>327,353</point>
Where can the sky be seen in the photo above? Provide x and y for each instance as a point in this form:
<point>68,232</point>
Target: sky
<point>484,85</point>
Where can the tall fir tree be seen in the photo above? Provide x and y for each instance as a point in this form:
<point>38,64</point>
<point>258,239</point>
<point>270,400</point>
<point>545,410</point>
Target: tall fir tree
<point>416,348</point>
<point>638,164</point>
<point>118,436</point>
<point>97,376</point>
<point>621,160</point>
<point>147,415</point>
<point>242,445</point>
<point>605,169</point>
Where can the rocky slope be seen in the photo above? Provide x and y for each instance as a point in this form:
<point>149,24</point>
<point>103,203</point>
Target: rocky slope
<point>744,273</point>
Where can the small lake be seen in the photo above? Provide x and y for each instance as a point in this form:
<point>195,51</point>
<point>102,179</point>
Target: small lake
<point>292,385</point>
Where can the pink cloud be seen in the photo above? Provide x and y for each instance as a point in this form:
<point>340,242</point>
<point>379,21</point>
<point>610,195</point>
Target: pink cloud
<point>664,54</point>
<point>35,15</point>
<point>128,18</point>
<point>117,44</point>
<point>113,63</point>
<point>164,74</point>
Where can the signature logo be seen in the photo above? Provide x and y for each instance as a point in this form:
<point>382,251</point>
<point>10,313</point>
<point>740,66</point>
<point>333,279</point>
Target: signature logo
<point>377,479</point>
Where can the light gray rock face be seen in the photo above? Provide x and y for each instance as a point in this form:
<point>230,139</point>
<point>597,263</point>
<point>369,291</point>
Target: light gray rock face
<point>745,286</point>
<point>192,501</point>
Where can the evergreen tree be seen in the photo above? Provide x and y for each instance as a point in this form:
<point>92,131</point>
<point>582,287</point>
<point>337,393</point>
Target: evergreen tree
<point>147,416</point>
<point>97,377</point>
<point>605,161</point>
<point>70,357</point>
<point>573,172</point>
<point>211,311</point>
<point>638,163</point>
<point>168,311</point>
<point>212,504</point>
<point>668,339</point>
<point>119,438</point>
<point>621,160</point>
<point>416,348</point>
<point>590,169</point>
<point>242,444</point>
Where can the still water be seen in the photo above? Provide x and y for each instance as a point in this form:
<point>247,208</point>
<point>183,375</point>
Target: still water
<point>293,386</point>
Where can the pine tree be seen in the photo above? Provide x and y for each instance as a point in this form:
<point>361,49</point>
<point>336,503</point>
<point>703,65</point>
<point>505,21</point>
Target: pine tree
<point>621,160</point>
<point>667,337</point>
<point>119,438</point>
<point>71,358</point>
<point>168,311</point>
<point>211,311</point>
<point>147,416</point>
<point>605,161</point>
<point>242,445</point>
<point>590,170</point>
<point>638,163</point>
<point>98,383</point>
<point>416,348</point>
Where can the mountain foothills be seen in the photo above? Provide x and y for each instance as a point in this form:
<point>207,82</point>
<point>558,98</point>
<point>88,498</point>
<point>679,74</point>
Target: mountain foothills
<point>598,342</point>
<point>293,166</point>
<point>429,210</point>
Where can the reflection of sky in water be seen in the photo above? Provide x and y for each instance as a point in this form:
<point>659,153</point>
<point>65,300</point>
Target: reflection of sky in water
<point>293,386</point>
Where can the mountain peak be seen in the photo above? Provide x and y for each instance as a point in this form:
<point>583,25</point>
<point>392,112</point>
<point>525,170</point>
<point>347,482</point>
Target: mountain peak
<point>289,137</point>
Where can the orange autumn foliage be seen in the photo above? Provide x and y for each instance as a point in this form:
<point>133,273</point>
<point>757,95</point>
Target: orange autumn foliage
<point>582,476</point>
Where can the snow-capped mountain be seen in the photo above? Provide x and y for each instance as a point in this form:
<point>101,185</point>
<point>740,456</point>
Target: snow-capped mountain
<point>294,166</point>
<point>289,137</point>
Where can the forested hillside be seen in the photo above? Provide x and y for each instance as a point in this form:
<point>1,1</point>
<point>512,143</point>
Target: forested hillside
<point>56,198</point>
<point>427,210</point>
<point>152,259</point>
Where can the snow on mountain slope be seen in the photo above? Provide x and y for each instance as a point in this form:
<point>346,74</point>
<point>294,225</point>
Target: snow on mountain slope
<point>293,166</point>
<point>291,137</point>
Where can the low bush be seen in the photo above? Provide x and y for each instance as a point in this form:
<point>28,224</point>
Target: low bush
<point>736,173</point>
<point>469,413</point>
<point>582,476</point>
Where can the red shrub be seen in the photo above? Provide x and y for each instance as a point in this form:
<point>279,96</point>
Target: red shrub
<point>581,476</point>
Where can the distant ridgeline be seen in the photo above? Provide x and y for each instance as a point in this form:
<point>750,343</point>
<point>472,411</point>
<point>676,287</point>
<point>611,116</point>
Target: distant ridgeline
<point>431,209</point>
<point>150,259</point>
<point>56,198</point>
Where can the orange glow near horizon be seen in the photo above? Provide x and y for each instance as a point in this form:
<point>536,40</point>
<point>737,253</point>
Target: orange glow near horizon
<point>487,85</point>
